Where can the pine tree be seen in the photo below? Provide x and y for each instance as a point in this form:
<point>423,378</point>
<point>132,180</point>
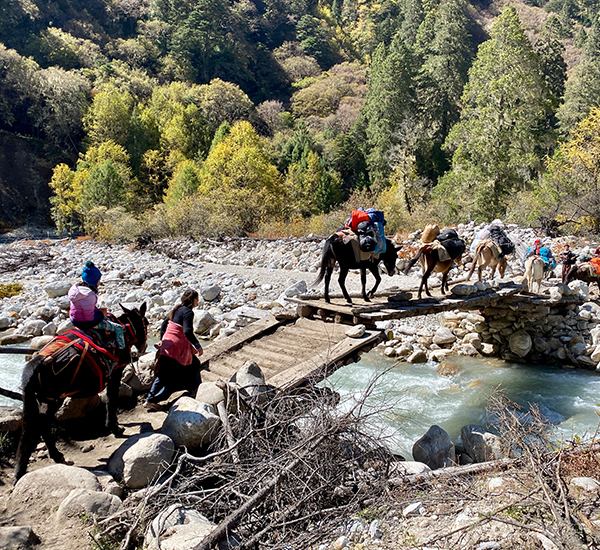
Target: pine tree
<point>583,89</point>
<point>498,139</point>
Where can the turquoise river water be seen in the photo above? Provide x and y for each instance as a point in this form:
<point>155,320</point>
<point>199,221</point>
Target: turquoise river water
<point>408,398</point>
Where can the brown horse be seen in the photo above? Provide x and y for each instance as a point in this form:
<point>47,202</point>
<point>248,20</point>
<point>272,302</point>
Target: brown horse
<point>584,272</point>
<point>429,258</point>
<point>78,369</point>
<point>484,257</point>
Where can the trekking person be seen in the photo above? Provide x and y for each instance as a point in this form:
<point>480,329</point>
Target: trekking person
<point>568,259</point>
<point>178,364</point>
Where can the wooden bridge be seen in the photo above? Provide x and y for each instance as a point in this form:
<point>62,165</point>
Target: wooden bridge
<point>313,344</point>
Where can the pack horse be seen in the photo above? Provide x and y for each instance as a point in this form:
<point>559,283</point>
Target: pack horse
<point>73,365</point>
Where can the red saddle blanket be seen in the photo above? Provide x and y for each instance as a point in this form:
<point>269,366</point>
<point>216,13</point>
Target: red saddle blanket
<point>75,365</point>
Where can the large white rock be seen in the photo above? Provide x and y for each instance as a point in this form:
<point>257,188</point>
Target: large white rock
<point>47,487</point>
<point>18,538</point>
<point>407,468</point>
<point>90,503</point>
<point>251,379</point>
<point>357,331</point>
<point>480,445</point>
<point>141,458</point>
<point>181,528</point>
<point>203,320</point>
<point>435,448</point>
<point>57,288</point>
<point>11,419</point>
<point>210,291</point>
<point>443,335</point>
<point>191,424</point>
<point>296,289</point>
<point>520,343</point>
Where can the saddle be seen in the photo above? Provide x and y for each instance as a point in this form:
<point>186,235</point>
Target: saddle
<point>348,236</point>
<point>77,364</point>
<point>493,246</point>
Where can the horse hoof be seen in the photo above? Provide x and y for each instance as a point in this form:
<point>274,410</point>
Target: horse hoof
<point>117,430</point>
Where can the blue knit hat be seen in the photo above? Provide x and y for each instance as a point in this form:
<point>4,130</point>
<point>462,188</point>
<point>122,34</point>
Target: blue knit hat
<point>91,274</point>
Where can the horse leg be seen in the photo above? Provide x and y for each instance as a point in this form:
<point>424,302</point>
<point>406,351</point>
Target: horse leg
<point>363,282</point>
<point>375,271</point>
<point>342,282</point>
<point>328,272</point>
<point>46,419</point>
<point>112,396</point>
<point>445,281</point>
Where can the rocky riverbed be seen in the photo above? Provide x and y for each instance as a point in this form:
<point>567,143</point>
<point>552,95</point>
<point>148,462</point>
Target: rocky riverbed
<point>240,281</point>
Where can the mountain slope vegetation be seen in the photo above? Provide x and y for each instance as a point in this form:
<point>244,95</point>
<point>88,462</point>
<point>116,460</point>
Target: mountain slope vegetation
<point>163,117</point>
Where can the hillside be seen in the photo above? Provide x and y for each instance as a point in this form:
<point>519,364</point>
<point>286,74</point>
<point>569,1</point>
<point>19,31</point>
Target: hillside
<point>136,106</point>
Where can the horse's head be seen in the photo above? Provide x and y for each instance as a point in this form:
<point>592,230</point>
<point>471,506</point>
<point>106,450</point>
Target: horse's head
<point>390,257</point>
<point>137,335</point>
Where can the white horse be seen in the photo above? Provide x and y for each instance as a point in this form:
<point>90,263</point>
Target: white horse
<point>534,272</point>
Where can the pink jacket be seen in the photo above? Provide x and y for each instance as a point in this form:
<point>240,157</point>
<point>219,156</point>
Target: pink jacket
<point>83,303</point>
<point>175,345</point>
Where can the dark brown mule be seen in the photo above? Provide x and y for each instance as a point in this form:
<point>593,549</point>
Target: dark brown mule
<point>48,379</point>
<point>584,272</point>
<point>336,251</point>
<point>430,262</point>
<point>484,257</point>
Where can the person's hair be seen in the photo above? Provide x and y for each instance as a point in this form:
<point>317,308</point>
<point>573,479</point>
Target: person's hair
<point>94,288</point>
<point>187,299</point>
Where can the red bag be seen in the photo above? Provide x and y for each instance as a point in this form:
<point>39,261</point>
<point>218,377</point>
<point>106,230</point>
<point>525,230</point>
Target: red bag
<point>358,216</point>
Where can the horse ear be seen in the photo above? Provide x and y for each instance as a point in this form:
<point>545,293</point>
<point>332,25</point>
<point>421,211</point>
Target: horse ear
<point>125,310</point>
<point>143,309</point>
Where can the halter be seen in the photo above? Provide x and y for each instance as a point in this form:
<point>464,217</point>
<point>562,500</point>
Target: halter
<point>131,337</point>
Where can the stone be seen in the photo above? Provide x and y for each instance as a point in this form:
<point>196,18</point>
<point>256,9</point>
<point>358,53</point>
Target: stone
<point>11,419</point>
<point>443,336</point>
<point>47,487</point>
<point>209,393</point>
<point>210,291</point>
<point>418,356</point>
<point>57,288</point>
<point>81,407</point>
<point>480,445</point>
<point>540,344</point>
<point>13,339</point>
<point>555,294</point>
<point>203,321</point>
<point>440,355</point>
<point>18,538</point>
<point>357,331</point>
<point>463,290</point>
<point>251,380</point>
<point>90,503</point>
<point>586,361</point>
<point>449,368</point>
<point>434,449</point>
<point>191,424</point>
<point>64,327</point>
<point>296,289</point>
<point>181,528</point>
<point>595,356</point>
<point>375,531</point>
<point>474,339</point>
<point>413,509</point>
<point>108,483</point>
<point>585,484</point>
<point>40,341</point>
<point>520,343</point>
<point>141,458</point>
<point>407,468</point>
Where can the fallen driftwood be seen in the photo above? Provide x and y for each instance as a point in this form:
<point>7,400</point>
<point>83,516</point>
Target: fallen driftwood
<point>11,394</point>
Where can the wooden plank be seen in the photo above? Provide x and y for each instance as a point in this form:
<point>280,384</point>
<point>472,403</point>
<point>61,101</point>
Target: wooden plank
<point>317,366</point>
<point>249,332</point>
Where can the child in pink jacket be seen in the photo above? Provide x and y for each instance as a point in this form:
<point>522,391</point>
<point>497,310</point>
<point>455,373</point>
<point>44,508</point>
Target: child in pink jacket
<point>83,311</point>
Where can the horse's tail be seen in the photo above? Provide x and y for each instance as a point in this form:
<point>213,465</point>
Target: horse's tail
<point>326,257</point>
<point>414,260</point>
<point>31,416</point>
<point>528,271</point>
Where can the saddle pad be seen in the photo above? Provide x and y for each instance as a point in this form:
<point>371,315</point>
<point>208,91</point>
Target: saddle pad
<point>352,238</point>
<point>493,246</point>
<point>443,255</point>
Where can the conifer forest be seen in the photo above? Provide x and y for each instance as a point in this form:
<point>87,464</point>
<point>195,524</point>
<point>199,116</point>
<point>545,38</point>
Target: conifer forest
<point>162,118</point>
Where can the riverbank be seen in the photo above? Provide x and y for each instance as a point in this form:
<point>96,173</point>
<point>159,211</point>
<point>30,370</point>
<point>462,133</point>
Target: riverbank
<point>245,277</point>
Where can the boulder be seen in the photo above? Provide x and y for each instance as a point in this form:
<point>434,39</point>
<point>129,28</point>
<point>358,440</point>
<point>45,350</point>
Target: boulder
<point>81,407</point>
<point>47,487</point>
<point>448,368</point>
<point>443,335</point>
<point>181,528</point>
<point>40,341</point>
<point>10,339</point>
<point>141,459</point>
<point>435,449</point>
<point>18,538</point>
<point>418,356</point>
<point>209,393</point>
<point>11,419</point>
<point>296,289</point>
<point>191,424</point>
<point>210,291</point>
<point>90,503</point>
<point>520,343</point>
<point>203,320</point>
<point>463,290</point>
<point>357,331</point>
<point>57,288</point>
<point>407,468</point>
<point>480,445</point>
<point>252,381</point>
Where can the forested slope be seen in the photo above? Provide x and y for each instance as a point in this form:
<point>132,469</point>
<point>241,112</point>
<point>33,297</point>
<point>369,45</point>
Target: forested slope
<point>162,117</point>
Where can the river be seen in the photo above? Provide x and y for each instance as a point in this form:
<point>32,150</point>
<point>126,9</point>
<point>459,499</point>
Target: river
<point>408,398</point>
